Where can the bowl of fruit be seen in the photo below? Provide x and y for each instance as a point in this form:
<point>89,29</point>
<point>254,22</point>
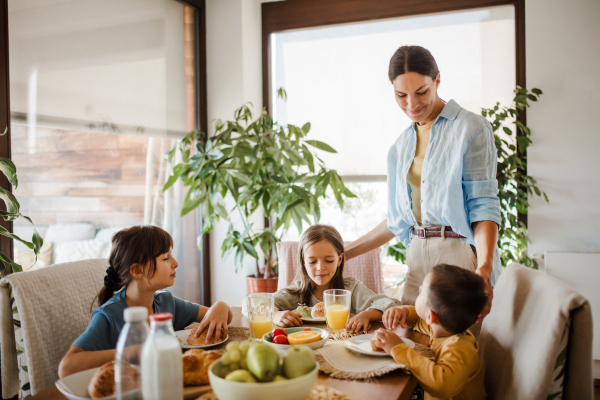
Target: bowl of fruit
<point>261,373</point>
<point>281,339</point>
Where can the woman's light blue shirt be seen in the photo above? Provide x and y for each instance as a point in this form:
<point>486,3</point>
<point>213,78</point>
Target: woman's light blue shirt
<point>458,179</point>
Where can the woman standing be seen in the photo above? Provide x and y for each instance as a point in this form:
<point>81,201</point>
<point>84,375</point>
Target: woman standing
<point>442,189</point>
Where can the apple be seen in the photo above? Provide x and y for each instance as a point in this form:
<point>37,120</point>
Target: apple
<point>298,361</point>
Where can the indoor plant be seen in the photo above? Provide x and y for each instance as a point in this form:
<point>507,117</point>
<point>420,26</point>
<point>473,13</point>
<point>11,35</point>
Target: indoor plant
<point>259,163</point>
<point>11,213</point>
<point>514,185</point>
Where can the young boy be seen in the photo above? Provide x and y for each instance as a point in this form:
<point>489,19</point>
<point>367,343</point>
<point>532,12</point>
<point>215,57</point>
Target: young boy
<point>449,302</point>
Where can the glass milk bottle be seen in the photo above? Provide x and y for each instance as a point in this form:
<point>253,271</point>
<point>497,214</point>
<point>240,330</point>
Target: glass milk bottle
<point>132,337</point>
<point>162,368</point>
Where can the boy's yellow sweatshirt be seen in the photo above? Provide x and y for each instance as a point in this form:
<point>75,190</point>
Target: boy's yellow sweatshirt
<point>456,373</point>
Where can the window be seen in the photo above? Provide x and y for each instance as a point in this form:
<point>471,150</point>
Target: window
<point>99,92</point>
<point>336,78</point>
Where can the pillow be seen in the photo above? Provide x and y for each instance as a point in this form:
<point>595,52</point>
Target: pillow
<point>26,257</point>
<point>61,233</point>
<point>80,250</point>
<point>106,234</point>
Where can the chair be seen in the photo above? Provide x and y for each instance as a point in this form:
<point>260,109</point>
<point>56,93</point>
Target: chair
<point>538,333</point>
<point>366,267</point>
<point>49,308</point>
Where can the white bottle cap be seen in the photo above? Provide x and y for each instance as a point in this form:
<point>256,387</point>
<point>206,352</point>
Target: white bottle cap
<point>135,314</point>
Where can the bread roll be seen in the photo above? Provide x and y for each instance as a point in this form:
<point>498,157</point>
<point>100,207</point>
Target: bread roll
<point>318,310</point>
<point>373,347</point>
<point>201,339</point>
<point>195,366</point>
<point>103,381</point>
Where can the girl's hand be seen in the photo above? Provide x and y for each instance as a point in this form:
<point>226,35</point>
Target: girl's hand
<point>386,340</point>
<point>361,321</point>
<point>216,321</point>
<point>289,319</point>
<point>393,316</point>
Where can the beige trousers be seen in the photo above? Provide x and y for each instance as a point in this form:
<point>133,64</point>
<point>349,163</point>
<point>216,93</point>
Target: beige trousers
<point>423,254</point>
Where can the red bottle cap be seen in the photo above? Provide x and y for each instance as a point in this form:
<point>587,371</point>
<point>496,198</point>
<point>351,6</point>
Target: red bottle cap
<point>161,316</point>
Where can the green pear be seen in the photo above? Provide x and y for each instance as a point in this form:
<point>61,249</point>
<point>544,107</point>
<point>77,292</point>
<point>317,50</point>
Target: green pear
<point>240,375</point>
<point>298,361</point>
<point>279,378</point>
<point>263,361</point>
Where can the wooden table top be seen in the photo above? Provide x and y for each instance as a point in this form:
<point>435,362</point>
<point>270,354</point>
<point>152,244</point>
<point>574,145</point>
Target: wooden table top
<point>395,385</point>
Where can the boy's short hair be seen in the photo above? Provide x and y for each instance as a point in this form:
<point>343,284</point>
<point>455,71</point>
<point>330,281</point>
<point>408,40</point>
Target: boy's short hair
<point>457,296</point>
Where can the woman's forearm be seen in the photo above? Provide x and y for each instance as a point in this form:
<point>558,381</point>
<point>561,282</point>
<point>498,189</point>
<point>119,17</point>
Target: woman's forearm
<point>486,237</point>
<point>378,236</point>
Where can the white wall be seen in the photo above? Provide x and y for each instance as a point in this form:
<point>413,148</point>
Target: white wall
<point>234,77</point>
<point>563,60</point>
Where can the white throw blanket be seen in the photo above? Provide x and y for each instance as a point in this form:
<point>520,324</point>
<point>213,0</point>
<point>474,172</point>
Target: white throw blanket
<point>54,306</point>
<point>520,339</point>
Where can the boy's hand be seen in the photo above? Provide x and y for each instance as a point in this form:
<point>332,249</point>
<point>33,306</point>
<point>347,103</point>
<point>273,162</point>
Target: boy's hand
<point>361,321</point>
<point>290,319</point>
<point>216,320</point>
<point>386,340</point>
<point>393,316</point>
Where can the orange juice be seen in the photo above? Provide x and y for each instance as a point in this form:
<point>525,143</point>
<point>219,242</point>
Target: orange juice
<point>260,325</point>
<point>337,316</point>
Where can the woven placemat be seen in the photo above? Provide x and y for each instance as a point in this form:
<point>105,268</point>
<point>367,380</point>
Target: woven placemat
<point>319,392</point>
<point>336,360</point>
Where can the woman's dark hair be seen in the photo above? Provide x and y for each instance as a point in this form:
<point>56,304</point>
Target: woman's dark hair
<point>457,296</point>
<point>136,245</point>
<point>412,59</point>
<point>312,235</point>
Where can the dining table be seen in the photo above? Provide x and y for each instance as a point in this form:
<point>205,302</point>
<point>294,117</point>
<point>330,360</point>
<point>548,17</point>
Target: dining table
<point>395,385</point>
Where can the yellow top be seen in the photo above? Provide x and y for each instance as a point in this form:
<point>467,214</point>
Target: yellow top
<point>414,173</point>
<point>456,373</point>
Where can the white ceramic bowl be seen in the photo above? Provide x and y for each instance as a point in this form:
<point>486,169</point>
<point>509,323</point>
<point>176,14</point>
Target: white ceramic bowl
<point>74,387</point>
<point>283,347</point>
<point>293,389</point>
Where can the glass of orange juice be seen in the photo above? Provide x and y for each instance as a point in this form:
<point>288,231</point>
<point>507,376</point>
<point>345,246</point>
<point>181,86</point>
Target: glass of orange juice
<point>260,307</point>
<point>337,308</point>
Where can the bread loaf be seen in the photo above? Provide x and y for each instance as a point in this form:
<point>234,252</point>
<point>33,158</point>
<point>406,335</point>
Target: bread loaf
<point>195,366</point>
<point>103,381</point>
<point>318,310</point>
<point>373,346</point>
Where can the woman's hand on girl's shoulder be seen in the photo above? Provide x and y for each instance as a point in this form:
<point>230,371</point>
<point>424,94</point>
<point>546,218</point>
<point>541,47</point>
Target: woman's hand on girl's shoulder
<point>289,319</point>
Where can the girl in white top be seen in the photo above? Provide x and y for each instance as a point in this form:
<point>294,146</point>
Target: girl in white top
<point>321,260</point>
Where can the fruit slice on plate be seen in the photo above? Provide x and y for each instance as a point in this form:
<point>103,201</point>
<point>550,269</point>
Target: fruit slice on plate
<point>304,337</point>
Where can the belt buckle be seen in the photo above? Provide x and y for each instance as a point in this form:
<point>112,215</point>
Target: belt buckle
<point>424,234</point>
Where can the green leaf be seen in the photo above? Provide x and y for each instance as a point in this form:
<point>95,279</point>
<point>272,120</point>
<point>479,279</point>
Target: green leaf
<point>12,205</point>
<point>9,170</point>
<point>306,128</point>
<point>250,249</point>
<point>321,146</point>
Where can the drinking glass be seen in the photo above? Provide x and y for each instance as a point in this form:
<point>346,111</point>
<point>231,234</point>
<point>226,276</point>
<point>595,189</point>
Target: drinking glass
<point>337,308</point>
<point>260,307</point>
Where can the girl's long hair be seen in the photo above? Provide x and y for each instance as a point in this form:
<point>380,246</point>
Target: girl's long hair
<point>312,235</point>
<point>136,245</point>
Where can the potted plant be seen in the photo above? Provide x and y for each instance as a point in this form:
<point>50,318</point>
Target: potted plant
<point>260,164</point>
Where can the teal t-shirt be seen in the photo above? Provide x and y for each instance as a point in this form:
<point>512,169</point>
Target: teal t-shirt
<point>107,320</point>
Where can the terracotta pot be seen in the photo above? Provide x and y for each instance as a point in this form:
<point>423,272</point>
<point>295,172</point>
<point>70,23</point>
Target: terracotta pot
<point>261,285</point>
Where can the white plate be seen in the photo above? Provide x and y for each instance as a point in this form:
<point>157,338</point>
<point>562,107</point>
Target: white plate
<point>361,344</point>
<point>317,319</point>
<point>74,387</point>
<point>182,336</point>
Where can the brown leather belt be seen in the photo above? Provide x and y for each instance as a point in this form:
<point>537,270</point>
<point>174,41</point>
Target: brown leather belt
<point>423,233</point>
